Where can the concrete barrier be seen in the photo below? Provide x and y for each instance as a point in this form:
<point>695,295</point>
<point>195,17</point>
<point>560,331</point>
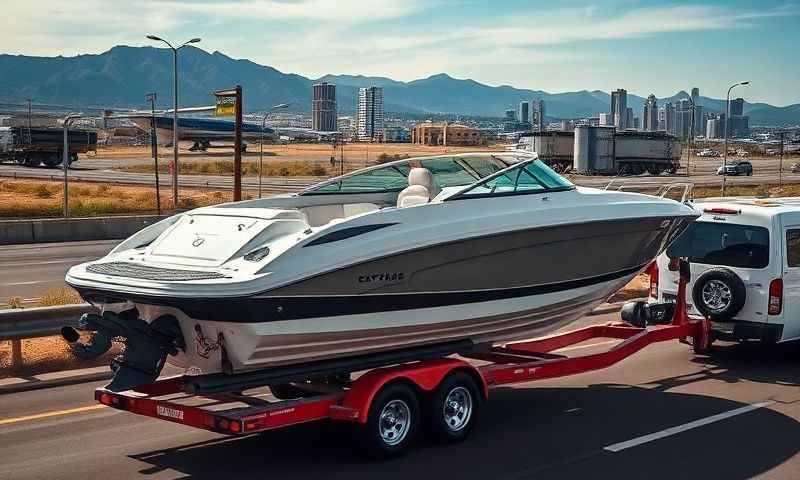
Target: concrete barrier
<point>73,229</point>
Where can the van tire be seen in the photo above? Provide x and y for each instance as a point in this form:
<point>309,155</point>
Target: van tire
<point>719,294</point>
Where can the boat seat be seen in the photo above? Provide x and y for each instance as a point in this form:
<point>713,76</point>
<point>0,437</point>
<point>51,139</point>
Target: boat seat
<point>421,188</point>
<point>318,215</point>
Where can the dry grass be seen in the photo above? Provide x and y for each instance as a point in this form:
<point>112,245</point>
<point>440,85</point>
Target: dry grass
<point>59,296</point>
<point>636,288</point>
<point>21,198</point>
<point>49,354</point>
<point>225,167</point>
<point>765,190</point>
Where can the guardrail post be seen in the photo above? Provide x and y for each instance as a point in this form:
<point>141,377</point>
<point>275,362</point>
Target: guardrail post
<point>16,355</point>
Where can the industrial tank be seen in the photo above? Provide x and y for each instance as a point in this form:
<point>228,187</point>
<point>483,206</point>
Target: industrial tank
<point>594,150</point>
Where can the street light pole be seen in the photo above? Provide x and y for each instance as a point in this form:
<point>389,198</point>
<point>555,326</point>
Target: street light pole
<point>691,134</point>
<point>174,112</point>
<point>154,146</point>
<point>65,160</point>
<point>727,122</point>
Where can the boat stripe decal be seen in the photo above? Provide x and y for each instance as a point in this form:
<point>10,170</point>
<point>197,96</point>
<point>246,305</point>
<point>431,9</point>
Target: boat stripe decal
<point>264,308</point>
<point>347,233</point>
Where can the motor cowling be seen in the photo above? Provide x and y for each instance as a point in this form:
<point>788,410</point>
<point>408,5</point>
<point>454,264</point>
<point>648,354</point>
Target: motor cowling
<point>641,314</point>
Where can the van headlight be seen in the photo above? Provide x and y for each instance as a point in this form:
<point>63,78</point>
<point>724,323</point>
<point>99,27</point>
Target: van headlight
<point>257,255</point>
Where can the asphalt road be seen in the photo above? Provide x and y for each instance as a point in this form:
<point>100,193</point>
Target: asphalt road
<point>663,413</point>
<point>101,170</point>
<point>28,270</point>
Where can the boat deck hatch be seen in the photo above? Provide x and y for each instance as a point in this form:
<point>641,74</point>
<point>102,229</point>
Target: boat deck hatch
<point>147,272</point>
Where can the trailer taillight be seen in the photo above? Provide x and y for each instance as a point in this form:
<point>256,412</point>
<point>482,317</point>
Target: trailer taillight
<point>775,297</point>
<point>653,271</point>
<point>722,211</point>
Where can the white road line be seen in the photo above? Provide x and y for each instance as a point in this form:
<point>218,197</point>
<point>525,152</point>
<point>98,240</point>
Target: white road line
<point>32,282</point>
<point>618,447</point>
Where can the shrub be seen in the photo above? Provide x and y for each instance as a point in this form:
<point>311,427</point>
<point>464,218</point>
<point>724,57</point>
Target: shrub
<point>42,191</point>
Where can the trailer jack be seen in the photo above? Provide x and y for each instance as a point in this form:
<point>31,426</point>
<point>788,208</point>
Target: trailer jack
<point>146,345</point>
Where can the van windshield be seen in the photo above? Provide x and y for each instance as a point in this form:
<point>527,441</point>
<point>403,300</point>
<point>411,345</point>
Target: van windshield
<point>730,245</point>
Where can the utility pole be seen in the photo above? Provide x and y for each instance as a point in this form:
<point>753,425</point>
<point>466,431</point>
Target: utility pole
<point>780,169</point>
<point>727,122</point>
<point>65,160</point>
<point>154,146</point>
<point>174,112</point>
<point>30,122</point>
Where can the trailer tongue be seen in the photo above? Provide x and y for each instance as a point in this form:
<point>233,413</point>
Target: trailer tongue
<point>384,402</point>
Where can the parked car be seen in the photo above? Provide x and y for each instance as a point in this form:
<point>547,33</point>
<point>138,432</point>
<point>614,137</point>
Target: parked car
<point>745,268</point>
<point>736,168</point>
<point>707,152</point>
<point>795,168</point>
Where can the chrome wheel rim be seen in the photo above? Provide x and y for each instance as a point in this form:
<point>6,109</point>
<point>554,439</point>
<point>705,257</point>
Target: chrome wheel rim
<point>457,409</point>
<point>716,295</point>
<point>394,422</point>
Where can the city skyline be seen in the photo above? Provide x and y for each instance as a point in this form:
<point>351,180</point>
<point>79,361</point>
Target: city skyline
<point>579,46</point>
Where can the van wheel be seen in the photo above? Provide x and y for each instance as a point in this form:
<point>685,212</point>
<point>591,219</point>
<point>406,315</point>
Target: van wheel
<point>454,408</point>
<point>719,294</point>
<point>392,423</point>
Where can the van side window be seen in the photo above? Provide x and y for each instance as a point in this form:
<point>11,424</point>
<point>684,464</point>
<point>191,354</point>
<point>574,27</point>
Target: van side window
<point>793,247</point>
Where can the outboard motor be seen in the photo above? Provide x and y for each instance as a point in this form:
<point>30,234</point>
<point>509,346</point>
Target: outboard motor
<point>641,314</point>
<point>146,345</point>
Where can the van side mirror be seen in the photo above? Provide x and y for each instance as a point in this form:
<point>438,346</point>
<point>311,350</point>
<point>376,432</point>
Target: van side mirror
<point>684,269</point>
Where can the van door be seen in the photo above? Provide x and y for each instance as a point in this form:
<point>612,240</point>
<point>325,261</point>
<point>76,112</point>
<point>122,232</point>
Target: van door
<point>791,282</point>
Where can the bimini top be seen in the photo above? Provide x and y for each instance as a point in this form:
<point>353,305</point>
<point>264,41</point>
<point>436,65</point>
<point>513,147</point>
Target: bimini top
<point>478,174</point>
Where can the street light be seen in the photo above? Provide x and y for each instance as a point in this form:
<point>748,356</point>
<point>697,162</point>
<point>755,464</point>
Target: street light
<point>691,134</point>
<point>154,145</point>
<point>727,122</point>
<point>279,106</point>
<point>174,113</point>
<point>65,159</point>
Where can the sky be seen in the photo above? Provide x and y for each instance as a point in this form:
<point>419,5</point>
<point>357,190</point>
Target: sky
<point>648,46</point>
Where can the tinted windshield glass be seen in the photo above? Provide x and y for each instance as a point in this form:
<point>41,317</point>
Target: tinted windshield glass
<point>527,177</point>
<point>742,246</point>
<point>381,179</point>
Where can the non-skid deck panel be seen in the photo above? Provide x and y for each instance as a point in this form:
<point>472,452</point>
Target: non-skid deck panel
<point>147,272</point>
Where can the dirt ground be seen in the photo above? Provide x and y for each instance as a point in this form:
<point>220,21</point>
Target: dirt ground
<point>353,152</point>
<point>22,198</point>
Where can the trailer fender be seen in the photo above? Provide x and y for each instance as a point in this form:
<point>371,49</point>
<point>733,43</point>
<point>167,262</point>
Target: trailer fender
<point>426,377</point>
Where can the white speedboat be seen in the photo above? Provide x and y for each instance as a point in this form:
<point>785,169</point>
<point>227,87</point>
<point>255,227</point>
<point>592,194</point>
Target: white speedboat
<point>478,248</point>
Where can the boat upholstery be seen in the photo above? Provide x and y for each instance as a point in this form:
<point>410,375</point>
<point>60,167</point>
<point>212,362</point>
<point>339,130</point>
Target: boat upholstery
<point>318,215</point>
<point>421,188</point>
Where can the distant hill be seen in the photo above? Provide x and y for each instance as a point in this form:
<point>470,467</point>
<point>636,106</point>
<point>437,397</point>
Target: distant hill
<point>121,76</point>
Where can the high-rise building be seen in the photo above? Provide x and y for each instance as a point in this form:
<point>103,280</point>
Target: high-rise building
<point>650,116</point>
<point>619,106</point>
<point>604,119</point>
<point>695,95</point>
<point>629,118</point>
<point>510,116</point>
<point>370,114</point>
<point>537,115</point>
<point>683,118</point>
<point>669,118</point>
<point>699,125</point>
<point>323,107</point>
<point>737,106</point>
<point>711,128</point>
<point>524,112</point>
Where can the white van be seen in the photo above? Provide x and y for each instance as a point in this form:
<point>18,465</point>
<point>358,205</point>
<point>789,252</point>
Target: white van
<point>745,266</point>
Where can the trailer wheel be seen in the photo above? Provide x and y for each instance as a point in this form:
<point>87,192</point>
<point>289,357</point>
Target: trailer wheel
<point>392,422</point>
<point>454,408</point>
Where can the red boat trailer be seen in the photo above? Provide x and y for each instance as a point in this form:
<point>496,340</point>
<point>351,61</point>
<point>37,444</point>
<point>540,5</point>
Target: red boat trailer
<point>385,402</point>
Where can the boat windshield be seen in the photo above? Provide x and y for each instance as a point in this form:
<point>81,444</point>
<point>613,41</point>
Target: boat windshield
<point>532,176</point>
<point>447,171</point>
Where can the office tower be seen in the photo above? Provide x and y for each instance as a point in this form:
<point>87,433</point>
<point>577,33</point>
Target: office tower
<point>699,121</point>
<point>650,116</point>
<point>370,114</point>
<point>323,107</point>
<point>695,95</point>
<point>619,106</point>
<point>604,119</point>
<point>737,106</point>
<point>669,118</point>
<point>524,112</point>
<point>711,128</point>
<point>537,115</point>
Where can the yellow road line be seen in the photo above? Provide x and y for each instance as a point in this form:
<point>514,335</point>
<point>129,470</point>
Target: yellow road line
<point>54,413</point>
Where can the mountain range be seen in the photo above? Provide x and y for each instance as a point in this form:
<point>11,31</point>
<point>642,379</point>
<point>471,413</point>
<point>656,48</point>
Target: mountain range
<point>121,76</point>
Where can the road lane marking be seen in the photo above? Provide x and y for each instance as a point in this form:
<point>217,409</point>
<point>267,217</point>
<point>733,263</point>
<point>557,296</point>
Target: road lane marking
<point>618,447</point>
<point>54,413</point>
<point>32,282</point>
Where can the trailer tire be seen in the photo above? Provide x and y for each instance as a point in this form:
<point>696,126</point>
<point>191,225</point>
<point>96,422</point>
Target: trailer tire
<point>392,422</point>
<point>453,408</point>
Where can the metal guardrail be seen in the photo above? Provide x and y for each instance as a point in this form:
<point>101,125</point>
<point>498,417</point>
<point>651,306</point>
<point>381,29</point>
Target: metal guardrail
<point>19,323</point>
